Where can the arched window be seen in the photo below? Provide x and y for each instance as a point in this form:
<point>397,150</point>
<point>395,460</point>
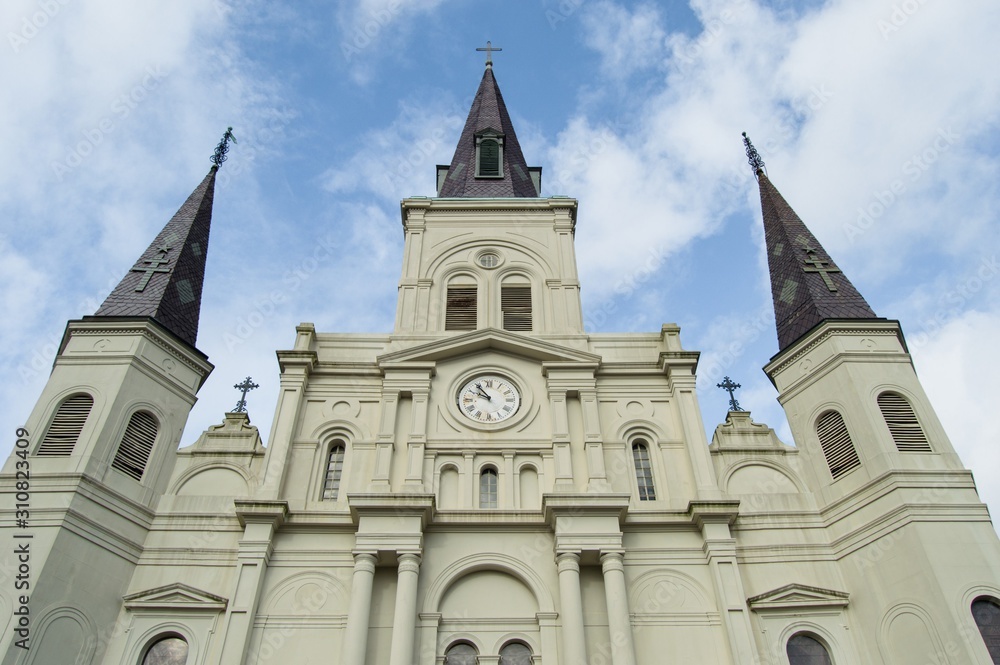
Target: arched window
<point>804,649</point>
<point>643,471</point>
<point>986,612</point>
<point>334,468</point>
<point>171,650</point>
<point>838,448</point>
<point>515,653</point>
<point>66,426</point>
<point>489,158</point>
<point>903,424</point>
<point>460,307</point>
<point>515,304</point>
<point>461,654</point>
<point>488,488</point>
<point>136,444</point>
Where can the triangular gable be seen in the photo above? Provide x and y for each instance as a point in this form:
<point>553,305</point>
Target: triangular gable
<point>487,339</point>
<point>175,596</point>
<point>798,596</point>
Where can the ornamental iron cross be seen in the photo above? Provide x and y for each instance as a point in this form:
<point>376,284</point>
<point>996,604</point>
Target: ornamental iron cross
<point>727,384</point>
<point>816,264</point>
<point>489,52</point>
<point>246,386</point>
<point>154,266</point>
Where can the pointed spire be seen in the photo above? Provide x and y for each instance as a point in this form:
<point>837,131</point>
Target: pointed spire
<point>488,117</point>
<point>165,283</point>
<point>807,287</point>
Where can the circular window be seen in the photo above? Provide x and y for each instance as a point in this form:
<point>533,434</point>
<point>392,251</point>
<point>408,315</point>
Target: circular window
<point>489,259</point>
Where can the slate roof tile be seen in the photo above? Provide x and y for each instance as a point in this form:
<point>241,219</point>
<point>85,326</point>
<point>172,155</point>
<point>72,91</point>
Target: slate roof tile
<point>488,112</point>
<point>801,295</point>
<point>174,269</point>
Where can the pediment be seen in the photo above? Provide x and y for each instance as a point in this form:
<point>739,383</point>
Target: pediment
<point>175,596</point>
<point>486,339</point>
<point>798,596</point>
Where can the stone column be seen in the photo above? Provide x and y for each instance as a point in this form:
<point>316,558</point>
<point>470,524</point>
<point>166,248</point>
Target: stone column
<point>574,645</point>
<point>404,621</point>
<point>619,622</point>
<point>355,642</point>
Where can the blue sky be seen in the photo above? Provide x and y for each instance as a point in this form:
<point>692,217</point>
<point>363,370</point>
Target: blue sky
<point>878,121</point>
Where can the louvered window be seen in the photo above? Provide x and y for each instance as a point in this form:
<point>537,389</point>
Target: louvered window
<point>804,649</point>
<point>489,158</point>
<point>643,471</point>
<point>488,489</point>
<point>460,311</point>
<point>838,448</point>
<point>986,612</point>
<point>334,468</point>
<point>903,424</point>
<point>66,427</point>
<point>515,302</point>
<point>137,443</point>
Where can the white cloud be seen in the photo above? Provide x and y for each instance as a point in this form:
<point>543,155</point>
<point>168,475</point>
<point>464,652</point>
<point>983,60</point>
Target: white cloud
<point>627,40</point>
<point>398,160</point>
<point>957,368</point>
<point>368,29</point>
<point>109,133</point>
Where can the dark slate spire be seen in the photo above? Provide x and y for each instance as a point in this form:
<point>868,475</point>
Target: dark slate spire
<point>165,283</point>
<point>806,285</point>
<point>488,113</point>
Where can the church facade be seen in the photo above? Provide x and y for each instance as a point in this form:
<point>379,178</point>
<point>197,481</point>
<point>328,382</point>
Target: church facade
<point>490,483</point>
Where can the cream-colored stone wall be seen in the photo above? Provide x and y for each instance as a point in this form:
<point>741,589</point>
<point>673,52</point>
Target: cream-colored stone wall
<point>230,544</point>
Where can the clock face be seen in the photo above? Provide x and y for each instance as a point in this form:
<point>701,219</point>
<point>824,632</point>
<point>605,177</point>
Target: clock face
<point>489,399</point>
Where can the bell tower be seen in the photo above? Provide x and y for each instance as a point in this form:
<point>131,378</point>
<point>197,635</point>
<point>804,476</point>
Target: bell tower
<point>102,438</point>
<point>844,375</point>
<point>488,251</point>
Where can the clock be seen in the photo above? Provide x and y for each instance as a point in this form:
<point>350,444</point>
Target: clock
<point>489,399</point>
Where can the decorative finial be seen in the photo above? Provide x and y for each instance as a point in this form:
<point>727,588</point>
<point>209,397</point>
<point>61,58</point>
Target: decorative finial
<point>246,386</point>
<point>756,162</point>
<point>727,384</point>
<point>489,52</point>
<point>223,148</point>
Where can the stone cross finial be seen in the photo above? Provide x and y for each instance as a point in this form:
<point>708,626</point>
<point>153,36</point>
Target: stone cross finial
<point>727,384</point>
<point>246,386</point>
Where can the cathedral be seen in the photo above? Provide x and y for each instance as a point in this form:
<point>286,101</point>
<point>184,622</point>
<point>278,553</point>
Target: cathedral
<point>490,483</point>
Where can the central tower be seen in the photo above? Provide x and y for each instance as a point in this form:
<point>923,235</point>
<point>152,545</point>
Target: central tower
<point>488,252</point>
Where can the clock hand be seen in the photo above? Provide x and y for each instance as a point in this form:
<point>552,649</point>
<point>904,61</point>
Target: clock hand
<point>482,392</point>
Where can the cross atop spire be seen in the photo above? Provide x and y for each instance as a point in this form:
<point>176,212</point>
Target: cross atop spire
<point>223,148</point>
<point>489,48</point>
<point>756,161</point>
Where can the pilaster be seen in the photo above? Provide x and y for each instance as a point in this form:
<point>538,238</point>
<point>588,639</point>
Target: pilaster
<point>714,519</point>
<point>296,366</point>
<point>261,520</point>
